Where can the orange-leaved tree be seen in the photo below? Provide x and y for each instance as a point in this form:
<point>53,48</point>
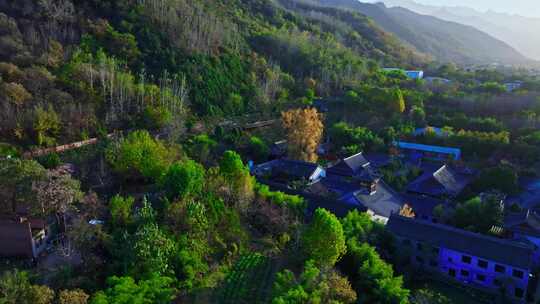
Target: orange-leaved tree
<point>304,129</point>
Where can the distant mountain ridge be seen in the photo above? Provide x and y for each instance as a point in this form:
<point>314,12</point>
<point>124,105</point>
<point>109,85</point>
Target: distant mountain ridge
<point>518,31</point>
<point>446,41</point>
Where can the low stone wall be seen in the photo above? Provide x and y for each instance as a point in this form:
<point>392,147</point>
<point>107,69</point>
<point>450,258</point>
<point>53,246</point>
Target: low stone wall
<point>62,148</point>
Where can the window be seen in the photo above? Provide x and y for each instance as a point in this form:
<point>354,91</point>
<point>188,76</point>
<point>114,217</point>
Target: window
<point>433,263</point>
<point>497,282</point>
<point>452,272</point>
<point>450,260</point>
<point>517,273</point>
<point>419,260</point>
<point>407,242</point>
<point>464,273</point>
<point>419,246</point>
<point>500,268</point>
<point>466,259</point>
<point>518,292</point>
<point>435,250</point>
<point>481,277</point>
<point>482,264</point>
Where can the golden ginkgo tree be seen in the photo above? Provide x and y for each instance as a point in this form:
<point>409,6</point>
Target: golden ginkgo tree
<point>304,129</point>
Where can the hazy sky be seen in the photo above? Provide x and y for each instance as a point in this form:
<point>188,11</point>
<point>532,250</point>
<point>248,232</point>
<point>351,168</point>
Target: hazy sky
<point>521,7</point>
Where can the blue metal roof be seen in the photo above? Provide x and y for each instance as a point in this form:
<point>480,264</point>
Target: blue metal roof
<point>427,148</point>
<point>415,74</point>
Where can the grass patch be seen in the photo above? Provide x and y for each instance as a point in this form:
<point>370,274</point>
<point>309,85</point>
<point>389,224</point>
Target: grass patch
<point>250,281</point>
<point>453,293</point>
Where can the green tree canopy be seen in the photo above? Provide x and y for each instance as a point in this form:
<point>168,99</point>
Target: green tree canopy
<point>427,296</point>
<point>501,178</point>
<point>184,179</point>
<point>156,117</point>
<point>491,87</point>
<point>353,139</point>
<point>121,210</point>
<point>396,101</point>
<point>384,100</point>
<point>201,147</point>
<point>124,290</point>
<point>479,215</point>
<point>46,125</point>
<point>351,97</point>
<point>140,154</point>
<point>238,177</point>
<point>17,178</point>
<point>15,288</point>
<point>153,249</point>
<point>360,226</point>
<point>312,286</point>
<point>258,148</point>
<point>374,280</point>
<point>324,240</point>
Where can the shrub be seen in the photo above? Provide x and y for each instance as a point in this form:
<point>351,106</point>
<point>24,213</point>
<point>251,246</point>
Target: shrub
<point>156,117</point>
<point>183,179</point>
<point>258,148</point>
<point>50,161</point>
<point>140,154</point>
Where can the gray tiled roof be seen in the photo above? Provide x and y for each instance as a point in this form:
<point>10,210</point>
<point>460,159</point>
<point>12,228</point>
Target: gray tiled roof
<point>350,165</point>
<point>526,222</point>
<point>356,162</point>
<point>498,250</point>
<point>378,160</point>
<point>384,202</point>
<point>292,168</point>
<point>355,166</point>
<point>279,148</point>
<point>423,205</point>
<point>444,181</point>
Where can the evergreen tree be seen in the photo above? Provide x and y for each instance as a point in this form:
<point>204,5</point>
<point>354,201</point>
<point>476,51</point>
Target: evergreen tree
<point>324,241</point>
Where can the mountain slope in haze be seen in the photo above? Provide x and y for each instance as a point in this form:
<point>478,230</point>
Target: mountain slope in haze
<point>518,31</point>
<point>446,41</point>
<point>358,32</point>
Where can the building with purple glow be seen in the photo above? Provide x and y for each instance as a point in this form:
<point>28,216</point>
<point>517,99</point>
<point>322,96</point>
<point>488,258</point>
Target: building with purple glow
<point>494,265</point>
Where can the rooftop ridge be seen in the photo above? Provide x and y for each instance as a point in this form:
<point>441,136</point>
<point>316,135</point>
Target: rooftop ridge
<point>360,153</point>
<point>440,170</point>
<point>294,161</point>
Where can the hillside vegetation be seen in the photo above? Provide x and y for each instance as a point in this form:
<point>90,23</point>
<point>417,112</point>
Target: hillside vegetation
<point>72,70</point>
<point>169,113</point>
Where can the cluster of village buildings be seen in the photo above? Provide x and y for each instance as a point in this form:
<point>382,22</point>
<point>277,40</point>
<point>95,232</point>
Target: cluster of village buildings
<point>438,81</point>
<point>496,265</point>
<point>355,183</point>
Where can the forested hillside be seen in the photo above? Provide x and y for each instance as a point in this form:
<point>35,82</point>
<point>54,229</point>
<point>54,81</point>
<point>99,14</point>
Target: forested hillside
<point>163,212</point>
<point>461,44</point>
<point>72,70</point>
<point>177,151</point>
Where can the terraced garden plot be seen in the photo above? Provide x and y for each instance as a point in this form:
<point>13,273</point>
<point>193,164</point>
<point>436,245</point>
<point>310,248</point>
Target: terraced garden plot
<point>250,281</point>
